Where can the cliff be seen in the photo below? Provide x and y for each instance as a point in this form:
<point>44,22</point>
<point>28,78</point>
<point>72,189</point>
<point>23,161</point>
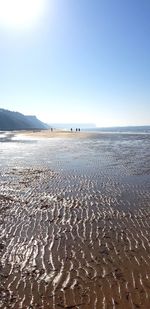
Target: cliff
<point>16,121</point>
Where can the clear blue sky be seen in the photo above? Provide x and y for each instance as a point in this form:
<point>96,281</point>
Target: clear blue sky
<point>83,61</point>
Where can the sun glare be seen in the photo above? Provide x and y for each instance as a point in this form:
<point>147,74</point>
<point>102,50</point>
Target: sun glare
<point>21,13</point>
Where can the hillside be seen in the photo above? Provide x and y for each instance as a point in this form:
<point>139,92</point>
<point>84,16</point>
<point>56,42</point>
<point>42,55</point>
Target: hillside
<point>16,121</point>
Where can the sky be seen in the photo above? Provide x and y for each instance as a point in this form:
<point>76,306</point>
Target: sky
<point>76,60</point>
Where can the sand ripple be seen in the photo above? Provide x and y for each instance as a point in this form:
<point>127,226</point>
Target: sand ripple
<point>75,223</point>
<point>73,241</point>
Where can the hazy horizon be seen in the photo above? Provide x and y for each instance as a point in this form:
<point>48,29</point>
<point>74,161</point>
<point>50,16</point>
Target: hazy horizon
<point>76,61</point>
<point>81,124</point>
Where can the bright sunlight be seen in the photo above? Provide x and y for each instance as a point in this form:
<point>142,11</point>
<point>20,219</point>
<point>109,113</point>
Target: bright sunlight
<point>21,13</point>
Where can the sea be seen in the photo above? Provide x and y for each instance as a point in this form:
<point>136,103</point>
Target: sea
<point>127,129</point>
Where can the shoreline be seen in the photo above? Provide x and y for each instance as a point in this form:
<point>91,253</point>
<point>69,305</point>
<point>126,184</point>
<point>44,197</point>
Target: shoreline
<point>66,134</point>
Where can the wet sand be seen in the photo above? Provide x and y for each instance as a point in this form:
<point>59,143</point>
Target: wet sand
<point>75,223</point>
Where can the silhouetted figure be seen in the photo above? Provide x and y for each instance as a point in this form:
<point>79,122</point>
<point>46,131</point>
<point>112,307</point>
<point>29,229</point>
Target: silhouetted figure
<point>71,129</point>
<point>79,129</point>
<point>51,129</point>
<point>76,129</point>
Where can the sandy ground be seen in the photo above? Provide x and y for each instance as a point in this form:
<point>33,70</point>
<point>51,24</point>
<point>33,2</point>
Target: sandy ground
<point>57,134</point>
<point>75,230</point>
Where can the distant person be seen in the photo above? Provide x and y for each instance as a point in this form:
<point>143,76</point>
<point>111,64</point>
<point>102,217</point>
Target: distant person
<point>71,129</point>
<point>51,129</point>
<point>79,129</point>
<point>76,129</point>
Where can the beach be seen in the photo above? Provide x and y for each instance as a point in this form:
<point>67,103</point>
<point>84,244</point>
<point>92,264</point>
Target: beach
<point>74,220</point>
<point>56,133</point>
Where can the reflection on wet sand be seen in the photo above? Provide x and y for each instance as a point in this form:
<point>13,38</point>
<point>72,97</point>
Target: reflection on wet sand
<point>76,238</point>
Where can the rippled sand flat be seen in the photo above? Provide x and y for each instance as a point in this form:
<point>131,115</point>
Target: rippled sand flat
<point>75,222</point>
